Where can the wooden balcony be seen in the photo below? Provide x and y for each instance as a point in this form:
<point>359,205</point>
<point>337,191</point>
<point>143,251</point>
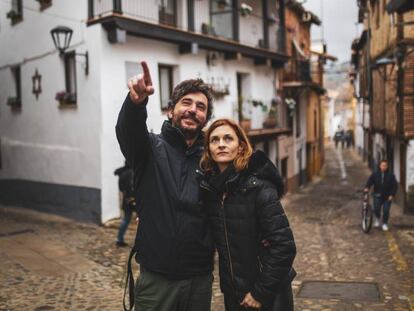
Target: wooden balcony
<point>303,73</point>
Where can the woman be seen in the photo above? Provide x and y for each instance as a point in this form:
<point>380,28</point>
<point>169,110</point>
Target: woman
<point>241,191</point>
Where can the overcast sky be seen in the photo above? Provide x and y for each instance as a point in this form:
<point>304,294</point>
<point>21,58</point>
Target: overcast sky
<point>339,19</point>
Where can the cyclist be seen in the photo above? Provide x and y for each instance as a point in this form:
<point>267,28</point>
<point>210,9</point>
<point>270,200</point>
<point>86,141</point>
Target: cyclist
<point>385,188</point>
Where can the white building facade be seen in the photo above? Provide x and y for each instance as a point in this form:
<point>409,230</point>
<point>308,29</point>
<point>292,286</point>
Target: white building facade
<point>58,148</point>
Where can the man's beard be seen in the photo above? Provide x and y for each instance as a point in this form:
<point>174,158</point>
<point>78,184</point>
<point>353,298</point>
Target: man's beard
<point>187,132</point>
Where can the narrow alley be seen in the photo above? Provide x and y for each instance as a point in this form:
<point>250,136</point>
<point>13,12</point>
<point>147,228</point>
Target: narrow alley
<point>51,263</point>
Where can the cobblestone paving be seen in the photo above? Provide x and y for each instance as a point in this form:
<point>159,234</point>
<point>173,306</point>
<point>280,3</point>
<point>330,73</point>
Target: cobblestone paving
<point>331,246</point>
<point>51,263</point>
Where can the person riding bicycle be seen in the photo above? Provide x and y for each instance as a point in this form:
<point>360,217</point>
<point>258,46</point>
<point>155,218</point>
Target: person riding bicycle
<point>385,188</point>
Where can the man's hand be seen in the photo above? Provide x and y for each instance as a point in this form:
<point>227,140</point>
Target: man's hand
<point>390,198</point>
<point>250,302</point>
<point>366,190</point>
<point>140,87</point>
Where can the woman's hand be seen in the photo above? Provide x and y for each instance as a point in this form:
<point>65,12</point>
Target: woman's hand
<point>250,302</point>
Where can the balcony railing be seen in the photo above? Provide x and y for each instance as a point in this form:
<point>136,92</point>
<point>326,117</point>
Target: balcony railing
<point>221,19</point>
<point>299,70</point>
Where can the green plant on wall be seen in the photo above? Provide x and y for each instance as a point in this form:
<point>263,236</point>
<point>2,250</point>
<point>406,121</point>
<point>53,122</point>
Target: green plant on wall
<point>259,103</point>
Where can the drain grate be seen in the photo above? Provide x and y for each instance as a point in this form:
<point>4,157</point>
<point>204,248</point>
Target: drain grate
<point>339,290</point>
<point>2,235</point>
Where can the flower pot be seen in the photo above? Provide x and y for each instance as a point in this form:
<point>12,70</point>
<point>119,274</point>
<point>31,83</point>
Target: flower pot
<point>270,123</point>
<point>246,125</point>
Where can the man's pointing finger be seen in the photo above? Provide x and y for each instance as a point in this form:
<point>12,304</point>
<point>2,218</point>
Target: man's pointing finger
<point>147,75</point>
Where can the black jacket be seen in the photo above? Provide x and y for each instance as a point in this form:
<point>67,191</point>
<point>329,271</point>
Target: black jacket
<point>385,186</point>
<point>172,237</point>
<point>245,213</point>
<point>125,181</point>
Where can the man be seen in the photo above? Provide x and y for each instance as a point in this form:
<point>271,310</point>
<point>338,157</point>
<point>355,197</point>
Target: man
<point>126,188</point>
<point>385,188</point>
<point>173,244</point>
<point>338,137</point>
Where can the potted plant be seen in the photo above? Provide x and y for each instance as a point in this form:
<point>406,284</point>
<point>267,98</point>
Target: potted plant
<point>14,102</point>
<point>13,15</point>
<point>259,103</point>
<point>291,105</point>
<point>245,9</point>
<point>65,98</point>
<point>271,119</point>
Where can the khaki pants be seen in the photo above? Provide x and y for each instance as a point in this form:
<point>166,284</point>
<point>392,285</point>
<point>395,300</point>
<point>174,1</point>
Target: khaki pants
<point>156,293</point>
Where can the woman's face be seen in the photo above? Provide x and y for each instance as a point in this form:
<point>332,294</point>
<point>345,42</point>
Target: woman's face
<point>224,146</point>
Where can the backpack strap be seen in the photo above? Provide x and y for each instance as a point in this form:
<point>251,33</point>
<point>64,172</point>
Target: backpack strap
<point>129,283</point>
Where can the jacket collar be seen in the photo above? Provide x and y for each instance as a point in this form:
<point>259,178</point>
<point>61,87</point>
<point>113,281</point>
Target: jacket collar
<point>175,138</point>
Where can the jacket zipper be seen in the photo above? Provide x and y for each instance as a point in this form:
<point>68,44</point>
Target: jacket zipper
<point>227,239</point>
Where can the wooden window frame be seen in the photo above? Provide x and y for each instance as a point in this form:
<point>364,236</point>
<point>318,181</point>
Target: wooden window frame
<point>160,12</point>
<point>15,102</point>
<point>164,105</point>
<point>70,60</point>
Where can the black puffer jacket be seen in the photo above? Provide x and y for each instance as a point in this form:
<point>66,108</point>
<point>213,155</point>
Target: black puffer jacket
<point>247,211</point>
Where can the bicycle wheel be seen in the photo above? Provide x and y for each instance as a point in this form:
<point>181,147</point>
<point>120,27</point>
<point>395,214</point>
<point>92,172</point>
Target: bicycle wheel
<point>367,216</point>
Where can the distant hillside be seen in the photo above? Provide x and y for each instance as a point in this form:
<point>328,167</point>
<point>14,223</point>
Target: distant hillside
<point>336,75</point>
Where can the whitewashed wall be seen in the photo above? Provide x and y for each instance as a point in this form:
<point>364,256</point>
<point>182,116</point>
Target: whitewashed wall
<point>42,142</point>
<point>396,163</point>
<point>410,165</point>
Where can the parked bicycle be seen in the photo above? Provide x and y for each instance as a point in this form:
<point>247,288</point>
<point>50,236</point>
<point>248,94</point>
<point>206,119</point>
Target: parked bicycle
<point>367,214</point>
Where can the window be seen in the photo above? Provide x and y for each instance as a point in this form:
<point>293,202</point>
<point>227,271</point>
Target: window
<point>167,12</point>
<point>16,100</point>
<point>166,84</point>
<point>70,77</point>
<point>16,12</point>
<point>221,18</point>
<point>132,69</point>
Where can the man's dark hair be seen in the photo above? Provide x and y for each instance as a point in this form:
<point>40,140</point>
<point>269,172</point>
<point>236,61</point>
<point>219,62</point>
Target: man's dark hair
<point>383,161</point>
<point>192,86</point>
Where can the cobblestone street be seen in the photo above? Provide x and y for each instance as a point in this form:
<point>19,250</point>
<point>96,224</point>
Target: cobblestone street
<point>51,263</point>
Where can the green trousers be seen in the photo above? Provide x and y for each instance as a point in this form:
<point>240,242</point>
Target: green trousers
<point>153,292</point>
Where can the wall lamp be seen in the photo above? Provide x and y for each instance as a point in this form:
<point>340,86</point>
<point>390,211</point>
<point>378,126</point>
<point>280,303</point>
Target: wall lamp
<point>61,36</point>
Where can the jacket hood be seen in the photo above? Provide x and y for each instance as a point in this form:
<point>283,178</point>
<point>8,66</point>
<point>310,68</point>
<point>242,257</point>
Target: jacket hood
<point>262,167</point>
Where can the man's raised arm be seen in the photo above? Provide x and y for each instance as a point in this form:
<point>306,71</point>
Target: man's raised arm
<point>131,128</point>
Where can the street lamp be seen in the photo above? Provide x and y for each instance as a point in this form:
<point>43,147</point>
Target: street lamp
<point>61,36</point>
